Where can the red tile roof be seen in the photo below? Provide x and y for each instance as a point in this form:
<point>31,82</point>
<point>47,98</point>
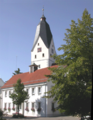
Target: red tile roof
<point>29,78</point>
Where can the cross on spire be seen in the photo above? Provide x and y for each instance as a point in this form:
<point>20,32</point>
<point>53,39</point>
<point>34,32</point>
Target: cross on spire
<point>43,10</point>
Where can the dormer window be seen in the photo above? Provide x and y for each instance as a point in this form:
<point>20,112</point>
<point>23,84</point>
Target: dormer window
<point>38,49</point>
<point>35,56</point>
<point>43,55</point>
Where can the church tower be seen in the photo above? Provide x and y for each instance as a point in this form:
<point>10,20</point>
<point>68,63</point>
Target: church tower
<point>43,46</point>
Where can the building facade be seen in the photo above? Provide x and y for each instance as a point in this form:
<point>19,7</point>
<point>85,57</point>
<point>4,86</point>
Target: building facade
<point>1,84</point>
<point>35,82</point>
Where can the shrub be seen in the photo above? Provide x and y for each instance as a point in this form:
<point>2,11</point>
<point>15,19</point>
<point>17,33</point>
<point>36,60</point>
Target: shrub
<point>27,109</point>
<point>2,119</point>
<point>5,109</point>
<point>16,115</point>
<point>13,108</point>
<point>33,109</point>
<point>39,109</point>
<point>1,113</point>
<point>9,109</point>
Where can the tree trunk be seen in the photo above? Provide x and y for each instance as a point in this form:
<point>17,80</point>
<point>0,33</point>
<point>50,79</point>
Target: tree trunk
<point>18,110</point>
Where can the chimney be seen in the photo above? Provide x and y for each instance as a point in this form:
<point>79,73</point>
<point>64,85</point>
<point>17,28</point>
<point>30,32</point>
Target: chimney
<point>33,68</point>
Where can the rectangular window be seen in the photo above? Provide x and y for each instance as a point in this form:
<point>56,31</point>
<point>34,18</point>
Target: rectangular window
<point>39,104</point>
<point>38,49</point>
<point>27,104</point>
<point>50,55</point>
<point>43,55</point>
<point>9,93</point>
<point>39,90</point>
<point>35,56</point>
<point>5,105</point>
<point>33,105</point>
<point>5,93</point>
<point>9,105</point>
<point>13,105</point>
<point>19,106</point>
<point>27,90</point>
<point>33,91</point>
<point>52,105</point>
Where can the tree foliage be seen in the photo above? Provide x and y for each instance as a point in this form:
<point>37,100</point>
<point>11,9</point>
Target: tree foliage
<point>73,91</point>
<point>17,72</point>
<point>19,94</point>
<point>1,113</point>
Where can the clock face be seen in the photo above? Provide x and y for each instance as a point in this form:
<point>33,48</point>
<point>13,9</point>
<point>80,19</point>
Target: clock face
<point>38,49</point>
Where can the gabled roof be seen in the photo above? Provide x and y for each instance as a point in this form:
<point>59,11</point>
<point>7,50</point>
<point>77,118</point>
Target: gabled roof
<point>29,78</point>
<point>43,31</point>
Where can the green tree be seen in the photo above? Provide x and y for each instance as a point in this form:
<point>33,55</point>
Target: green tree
<point>73,78</point>
<point>1,114</point>
<point>19,95</point>
<point>17,72</point>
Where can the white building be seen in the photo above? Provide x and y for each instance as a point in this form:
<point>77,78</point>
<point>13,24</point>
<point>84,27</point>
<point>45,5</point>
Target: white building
<point>1,84</point>
<point>35,81</point>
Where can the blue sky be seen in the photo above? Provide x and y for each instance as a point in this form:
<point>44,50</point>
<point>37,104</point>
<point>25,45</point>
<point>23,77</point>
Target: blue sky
<point>18,21</point>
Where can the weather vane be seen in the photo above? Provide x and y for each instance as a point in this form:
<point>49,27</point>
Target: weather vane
<point>43,10</point>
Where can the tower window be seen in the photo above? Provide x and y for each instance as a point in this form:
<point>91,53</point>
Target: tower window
<point>35,56</point>
<point>38,44</point>
<point>50,55</point>
<point>52,50</point>
<point>38,49</point>
<point>43,55</point>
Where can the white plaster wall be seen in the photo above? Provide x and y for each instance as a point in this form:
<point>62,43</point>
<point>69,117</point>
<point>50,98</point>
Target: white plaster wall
<point>8,100</point>
<point>52,46</point>
<point>1,84</point>
<point>47,60</point>
<point>32,98</point>
<point>50,100</point>
<point>42,61</point>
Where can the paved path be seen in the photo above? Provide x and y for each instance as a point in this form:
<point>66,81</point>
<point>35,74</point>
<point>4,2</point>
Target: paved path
<point>46,118</point>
